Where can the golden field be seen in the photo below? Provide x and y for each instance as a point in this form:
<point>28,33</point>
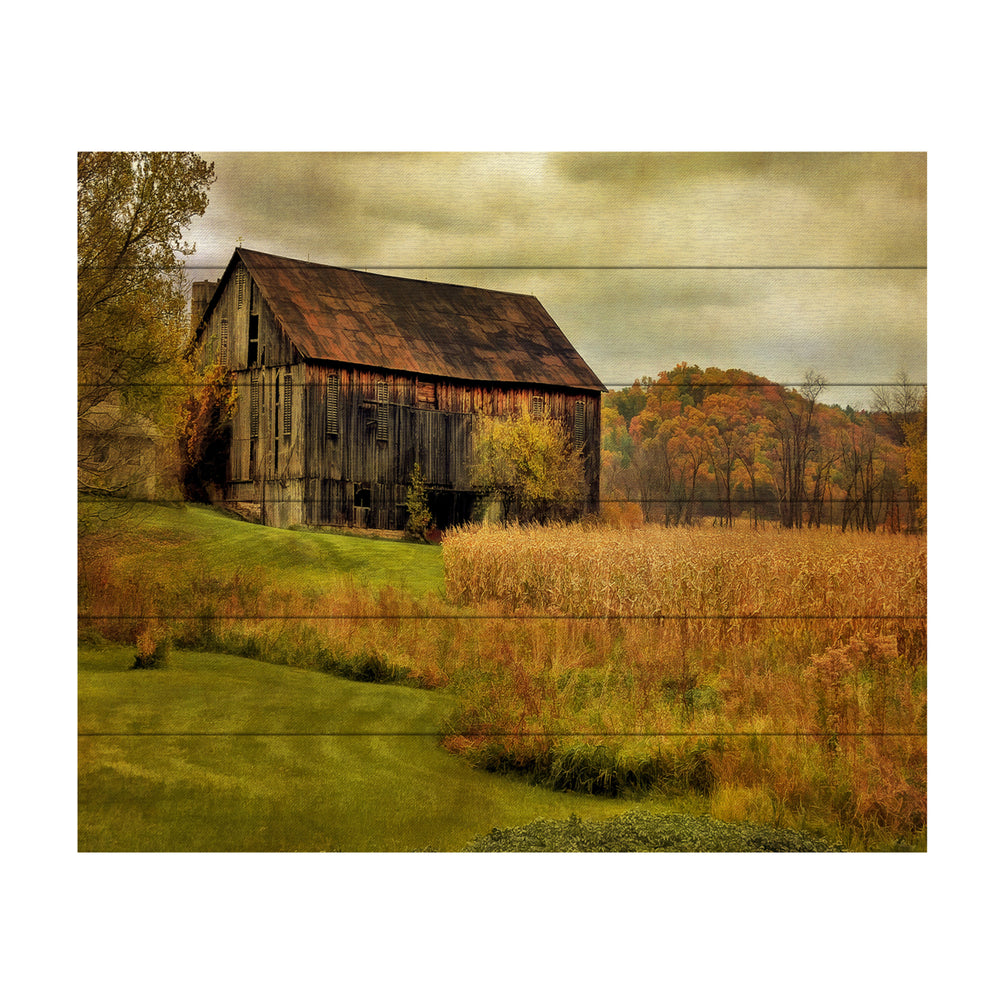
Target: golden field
<point>777,676</point>
<point>782,673</point>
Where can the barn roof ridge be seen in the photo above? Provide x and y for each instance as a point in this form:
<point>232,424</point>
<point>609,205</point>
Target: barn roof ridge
<point>389,277</point>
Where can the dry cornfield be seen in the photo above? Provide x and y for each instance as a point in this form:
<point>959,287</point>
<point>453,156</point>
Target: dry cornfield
<point>719,579</point>
<point>791,663</point>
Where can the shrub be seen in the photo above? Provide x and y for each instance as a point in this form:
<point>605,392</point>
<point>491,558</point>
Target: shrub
<point>373,668</point>
<point>418,519</point>
<point>529,466</point>
<point>638,830</point>
<point>603,770</point>
<point>153,647</point>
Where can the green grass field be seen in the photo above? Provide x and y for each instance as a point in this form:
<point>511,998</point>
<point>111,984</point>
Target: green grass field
<point>219,753</point>
<point>188,537</point>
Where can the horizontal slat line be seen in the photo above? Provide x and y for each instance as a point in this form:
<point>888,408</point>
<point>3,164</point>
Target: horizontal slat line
<point>609,385</point>
<point>741,502</point>
<point>486,618</point>
<point>638,735</point>
<point>758,385</point>
<point>299,265</point>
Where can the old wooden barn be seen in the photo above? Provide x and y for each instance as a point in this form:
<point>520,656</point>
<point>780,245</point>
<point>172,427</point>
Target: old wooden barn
<point>346,378</point>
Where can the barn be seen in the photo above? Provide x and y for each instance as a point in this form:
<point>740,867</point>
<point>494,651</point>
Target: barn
<point>347,378</point>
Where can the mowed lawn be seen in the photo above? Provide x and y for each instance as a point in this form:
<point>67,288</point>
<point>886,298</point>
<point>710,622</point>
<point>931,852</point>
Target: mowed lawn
<point>193,538</point>
<point>219,753</point>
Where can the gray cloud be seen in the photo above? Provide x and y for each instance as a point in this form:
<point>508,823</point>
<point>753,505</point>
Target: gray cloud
<point>594,235</point>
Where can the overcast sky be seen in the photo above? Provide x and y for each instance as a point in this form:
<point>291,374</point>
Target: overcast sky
<point>772,262</point>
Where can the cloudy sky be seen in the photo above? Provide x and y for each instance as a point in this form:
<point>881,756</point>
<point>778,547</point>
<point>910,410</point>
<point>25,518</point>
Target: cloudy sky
<point>772,262</point>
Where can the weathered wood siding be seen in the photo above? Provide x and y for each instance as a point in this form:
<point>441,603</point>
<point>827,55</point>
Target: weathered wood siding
<point>240,305</point>
<point>286,457</point>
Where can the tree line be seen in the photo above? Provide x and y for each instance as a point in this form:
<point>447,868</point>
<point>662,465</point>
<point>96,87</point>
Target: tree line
<point>696,443</point>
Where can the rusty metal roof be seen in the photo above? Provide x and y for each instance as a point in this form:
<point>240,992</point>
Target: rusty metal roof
<point>425,327</point>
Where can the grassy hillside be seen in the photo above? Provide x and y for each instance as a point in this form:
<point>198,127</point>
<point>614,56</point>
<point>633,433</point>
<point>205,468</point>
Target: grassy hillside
<point>225,753</point>
<point>219,753</point>
<point>189,537</point>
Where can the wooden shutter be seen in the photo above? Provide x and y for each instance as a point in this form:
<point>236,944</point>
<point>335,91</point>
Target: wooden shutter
<point>579,423</point>
<point>224,343</point>
<point>255,404</point>
<point>537,406</point>
<point>333,403</point>
<point>286,410</point>
<point>382,398</point>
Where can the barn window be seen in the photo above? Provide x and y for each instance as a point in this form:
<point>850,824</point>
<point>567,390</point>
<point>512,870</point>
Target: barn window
<point>252,341</point>
<point>537,406</point>
<point>382,399</point>
<point>286,410</point>
<point>427,394</point>
<point>579,423</point>
<point>333,403</point>
<point>224,343</point>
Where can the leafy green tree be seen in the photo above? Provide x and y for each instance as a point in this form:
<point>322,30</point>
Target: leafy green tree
<point>529,466</point>
<point>629,402</point>
<point>132,209</point>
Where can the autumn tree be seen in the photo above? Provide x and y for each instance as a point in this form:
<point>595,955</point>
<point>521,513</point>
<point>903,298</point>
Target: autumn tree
<point>652,475</point>
<point>628,402</point>
<point>900,402</point>
<point>726,418</point>
<point>688,445</point>
<point>904,406</point>
<point>529,466</point>
<point>618,471</point>
<point>615,437</point>
<point>204,432</point>
<point>791,412</point>
<point>916,465</point>
<point>864,467</point>
<point>751,442</point>
<point>132,209</point>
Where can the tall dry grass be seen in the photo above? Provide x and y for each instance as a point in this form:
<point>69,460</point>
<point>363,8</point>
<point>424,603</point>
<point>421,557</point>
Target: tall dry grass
<point>347,629</point>
<point>656,571</point>
<point>791,662</point>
